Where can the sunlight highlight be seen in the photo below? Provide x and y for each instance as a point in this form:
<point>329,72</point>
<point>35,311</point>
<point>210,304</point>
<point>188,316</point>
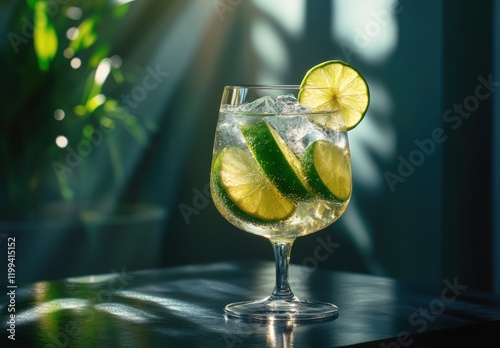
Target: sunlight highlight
<point>172,305</point>
<point>92,279</point>
<point>75,63</point>
<point>43,309</point>
<point>72,33</point>
<point>102,71</point>
<point>116,61</point>
<point>121,2</point>
<point>68,53</point>
<point>376,133</point>
<point>125,312</point>
<point>74,13</point>
<point>366,28</point>
<point>291,15</point>
<point>62,141</point>
<point>59,114</point>
<point>271,49</point>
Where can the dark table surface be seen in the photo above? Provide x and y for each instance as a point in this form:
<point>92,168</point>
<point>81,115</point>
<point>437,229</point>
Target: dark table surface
<point>183,307</point>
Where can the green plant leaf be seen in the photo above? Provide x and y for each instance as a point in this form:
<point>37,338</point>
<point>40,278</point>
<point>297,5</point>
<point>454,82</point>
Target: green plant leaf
<point>91,90</point>
<point>107,123</point>
<point>44,36</point>
<point>94,102</point>
<point>99,54</point>
<point>121,10</point>
<point>113,113</point>
<point>118,75</point>
<point>86,34</point>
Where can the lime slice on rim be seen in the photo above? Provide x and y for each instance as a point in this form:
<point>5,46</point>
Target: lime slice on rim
<point>347,91</point>
<point>238,180</point>
<point>278,162</point>
<point>328,170</point>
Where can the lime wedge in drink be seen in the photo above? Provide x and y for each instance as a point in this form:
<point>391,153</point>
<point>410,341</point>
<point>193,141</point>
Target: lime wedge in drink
<point>328,171</point>
<point>278,162</point>
<point>244,189</point>
<point>347,91</point>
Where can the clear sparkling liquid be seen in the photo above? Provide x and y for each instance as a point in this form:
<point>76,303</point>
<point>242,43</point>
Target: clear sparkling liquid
<point>298,131</point>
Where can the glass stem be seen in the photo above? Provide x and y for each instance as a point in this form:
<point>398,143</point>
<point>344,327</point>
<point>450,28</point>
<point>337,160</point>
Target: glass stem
<point>282,288</point>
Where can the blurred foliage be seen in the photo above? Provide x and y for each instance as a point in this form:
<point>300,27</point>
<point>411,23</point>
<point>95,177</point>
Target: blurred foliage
<point>44,36</point>
<point>62,78</point>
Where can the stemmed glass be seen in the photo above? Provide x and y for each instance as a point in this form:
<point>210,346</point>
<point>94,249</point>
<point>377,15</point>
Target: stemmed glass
<point>279,170</point>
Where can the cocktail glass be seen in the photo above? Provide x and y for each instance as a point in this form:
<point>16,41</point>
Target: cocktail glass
<point>281,171</point>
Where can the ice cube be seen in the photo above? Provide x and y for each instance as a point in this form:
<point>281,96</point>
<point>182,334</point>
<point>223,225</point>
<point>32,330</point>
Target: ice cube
<point>288,104</point>
<point>297,131</point>
<point>228,130</point>
<point>263,105</point>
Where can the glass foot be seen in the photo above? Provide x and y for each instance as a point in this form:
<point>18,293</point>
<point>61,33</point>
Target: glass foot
<point>271,309</point>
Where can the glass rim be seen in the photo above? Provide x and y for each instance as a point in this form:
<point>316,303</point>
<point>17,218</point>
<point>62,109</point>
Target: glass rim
<point>236,95</point>
<point>271,86</point>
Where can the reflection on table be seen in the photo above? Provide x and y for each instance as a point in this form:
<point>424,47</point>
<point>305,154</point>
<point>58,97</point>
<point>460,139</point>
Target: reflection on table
<point>182,306</point>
